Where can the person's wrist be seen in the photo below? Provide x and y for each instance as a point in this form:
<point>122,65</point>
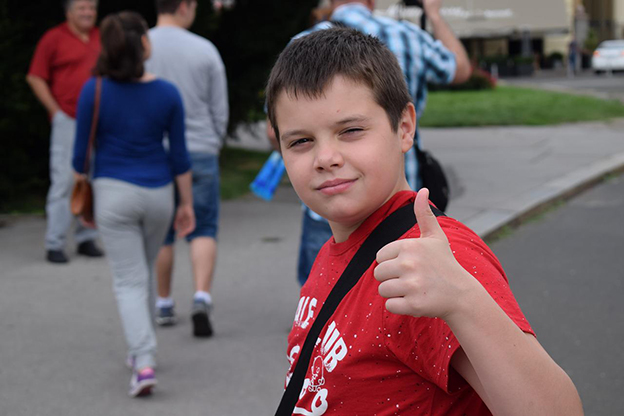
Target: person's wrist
<point>471,293</point>
<point>434,16</point>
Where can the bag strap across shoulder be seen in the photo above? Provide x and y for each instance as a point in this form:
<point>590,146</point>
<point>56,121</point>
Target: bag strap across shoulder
<point>389,230</point>
<point>94,123</point>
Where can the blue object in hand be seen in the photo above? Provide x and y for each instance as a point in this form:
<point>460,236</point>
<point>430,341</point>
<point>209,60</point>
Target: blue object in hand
<point>269,177</point>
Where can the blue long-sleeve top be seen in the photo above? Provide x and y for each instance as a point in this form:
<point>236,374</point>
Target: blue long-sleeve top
<point>133,118</point>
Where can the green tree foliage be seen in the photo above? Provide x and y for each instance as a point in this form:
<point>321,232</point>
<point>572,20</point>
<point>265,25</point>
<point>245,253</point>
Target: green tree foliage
<point>23,122</point>
<point>249,37</point>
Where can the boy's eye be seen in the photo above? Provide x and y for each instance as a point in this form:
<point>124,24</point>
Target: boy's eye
<point>352,130</point>
<point>298,142</point>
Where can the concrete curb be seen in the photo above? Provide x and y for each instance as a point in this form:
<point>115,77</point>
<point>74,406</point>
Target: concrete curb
<point>491,223</point>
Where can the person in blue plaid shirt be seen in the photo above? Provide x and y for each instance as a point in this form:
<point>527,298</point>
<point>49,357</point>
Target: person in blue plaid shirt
<point>423,59</point>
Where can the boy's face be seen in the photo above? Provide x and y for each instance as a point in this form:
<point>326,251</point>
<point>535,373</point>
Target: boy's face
<point>341,154</point>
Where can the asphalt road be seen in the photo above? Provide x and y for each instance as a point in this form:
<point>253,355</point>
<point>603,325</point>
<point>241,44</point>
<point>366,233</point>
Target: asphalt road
<point>62,349</point>
<point>566,269</point>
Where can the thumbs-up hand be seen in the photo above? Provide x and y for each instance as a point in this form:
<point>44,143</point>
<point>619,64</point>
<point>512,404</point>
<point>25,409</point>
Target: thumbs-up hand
<point>420,276</point>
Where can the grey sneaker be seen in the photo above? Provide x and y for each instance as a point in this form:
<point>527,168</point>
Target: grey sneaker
<point>165,316</point>
<point>200,313</point>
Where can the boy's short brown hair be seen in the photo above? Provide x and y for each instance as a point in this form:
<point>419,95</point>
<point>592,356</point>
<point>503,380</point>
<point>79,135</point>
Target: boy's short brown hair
<point>308,64</point>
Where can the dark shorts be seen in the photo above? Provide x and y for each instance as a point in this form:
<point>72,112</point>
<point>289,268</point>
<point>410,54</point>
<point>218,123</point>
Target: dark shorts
<point>205,168</point>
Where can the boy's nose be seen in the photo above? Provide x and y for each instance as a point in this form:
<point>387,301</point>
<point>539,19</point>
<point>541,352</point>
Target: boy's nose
<point>328,156</point>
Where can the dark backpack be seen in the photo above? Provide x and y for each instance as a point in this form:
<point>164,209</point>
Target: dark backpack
<point>433,178</point>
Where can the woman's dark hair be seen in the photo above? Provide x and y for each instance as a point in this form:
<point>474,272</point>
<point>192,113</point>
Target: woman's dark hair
<point>122,53</point>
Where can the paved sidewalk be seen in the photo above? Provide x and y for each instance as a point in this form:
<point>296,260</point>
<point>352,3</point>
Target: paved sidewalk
<point>499,174</point>
<point>61,344</point>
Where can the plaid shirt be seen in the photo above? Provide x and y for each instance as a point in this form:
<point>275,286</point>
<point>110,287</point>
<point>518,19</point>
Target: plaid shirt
<point>421,58</point>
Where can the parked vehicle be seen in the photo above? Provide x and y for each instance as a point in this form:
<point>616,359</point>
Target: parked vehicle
<point>609,56</point>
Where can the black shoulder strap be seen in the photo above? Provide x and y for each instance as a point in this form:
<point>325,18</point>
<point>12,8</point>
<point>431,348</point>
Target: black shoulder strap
<point>390,229</point>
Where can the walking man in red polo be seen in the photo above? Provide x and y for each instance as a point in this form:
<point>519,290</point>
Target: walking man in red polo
<point>60,66</point>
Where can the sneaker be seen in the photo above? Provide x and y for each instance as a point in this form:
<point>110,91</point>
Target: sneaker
<point>142,382</point>
<point>56,256</point>
<point>165,316</point>
<point>89,249</point>
<point>200,313</point>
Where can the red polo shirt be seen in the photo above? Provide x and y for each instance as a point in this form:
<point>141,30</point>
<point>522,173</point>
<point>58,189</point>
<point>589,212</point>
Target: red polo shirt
<point>65,62</point>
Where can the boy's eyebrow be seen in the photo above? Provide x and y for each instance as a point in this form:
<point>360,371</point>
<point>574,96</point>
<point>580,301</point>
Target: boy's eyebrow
<point>350,119</point>
<point>289,133</point>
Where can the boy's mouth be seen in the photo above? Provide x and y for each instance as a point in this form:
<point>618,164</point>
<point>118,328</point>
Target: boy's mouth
<point>335,186</point>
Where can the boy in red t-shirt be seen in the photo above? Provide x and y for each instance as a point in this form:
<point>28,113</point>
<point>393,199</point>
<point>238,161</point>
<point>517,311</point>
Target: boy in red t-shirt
<point>432,326</point>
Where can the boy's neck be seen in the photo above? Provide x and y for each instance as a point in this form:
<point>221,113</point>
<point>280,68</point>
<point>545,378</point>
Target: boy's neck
<point>342,231</point>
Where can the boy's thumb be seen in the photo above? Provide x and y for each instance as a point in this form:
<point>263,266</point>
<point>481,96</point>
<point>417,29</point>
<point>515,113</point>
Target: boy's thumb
<point>427,222</point>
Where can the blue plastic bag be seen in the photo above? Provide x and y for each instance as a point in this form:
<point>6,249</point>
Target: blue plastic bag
<point>269,177</point>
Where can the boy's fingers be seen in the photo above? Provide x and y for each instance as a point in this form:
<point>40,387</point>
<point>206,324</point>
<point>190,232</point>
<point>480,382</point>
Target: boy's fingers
<point>398,306</point>
<point>393,288</point>
<point>387,270</point>
<point>388,252</point>
<point>427,222</point>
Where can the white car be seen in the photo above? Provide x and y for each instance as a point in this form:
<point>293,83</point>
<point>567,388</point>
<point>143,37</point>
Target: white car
<point>609,56</point>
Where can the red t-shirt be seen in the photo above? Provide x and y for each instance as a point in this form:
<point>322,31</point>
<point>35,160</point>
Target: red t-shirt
<point>65,62</point>
<point>368,361</point>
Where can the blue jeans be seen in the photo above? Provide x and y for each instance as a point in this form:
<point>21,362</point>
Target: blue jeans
<point>205,167</point>
<point>314,233</point>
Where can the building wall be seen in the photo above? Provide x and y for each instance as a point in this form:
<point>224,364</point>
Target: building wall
<point>559,43</point>
<point>602,17</point>
<point>618,15</point>
<point>493,47</point>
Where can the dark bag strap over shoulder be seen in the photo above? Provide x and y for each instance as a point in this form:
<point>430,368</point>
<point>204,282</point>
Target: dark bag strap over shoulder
<point>94,123</point>
<point>390,229</point>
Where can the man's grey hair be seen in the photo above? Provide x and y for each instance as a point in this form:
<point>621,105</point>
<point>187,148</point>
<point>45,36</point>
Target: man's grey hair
<point>68,3</point>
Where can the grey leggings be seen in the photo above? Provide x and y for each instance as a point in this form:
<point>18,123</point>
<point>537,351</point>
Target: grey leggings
<point>133,221</point>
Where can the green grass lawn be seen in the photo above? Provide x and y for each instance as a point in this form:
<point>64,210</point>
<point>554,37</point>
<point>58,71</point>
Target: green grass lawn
<point>508,106</point>
<point>238,169</point>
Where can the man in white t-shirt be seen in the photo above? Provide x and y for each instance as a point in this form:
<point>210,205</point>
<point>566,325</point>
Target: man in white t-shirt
<point>194,65</point>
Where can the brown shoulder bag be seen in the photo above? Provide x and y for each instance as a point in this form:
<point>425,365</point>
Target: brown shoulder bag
<point>82,194</point>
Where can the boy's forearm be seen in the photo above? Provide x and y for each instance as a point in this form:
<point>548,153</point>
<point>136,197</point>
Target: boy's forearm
<point>513,374</point>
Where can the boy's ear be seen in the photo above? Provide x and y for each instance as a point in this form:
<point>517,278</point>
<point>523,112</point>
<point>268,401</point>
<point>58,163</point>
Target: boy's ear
<point>407,127</point>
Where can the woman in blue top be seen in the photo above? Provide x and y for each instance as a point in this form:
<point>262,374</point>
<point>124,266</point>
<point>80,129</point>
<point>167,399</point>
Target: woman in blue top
<point>133,175</point>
